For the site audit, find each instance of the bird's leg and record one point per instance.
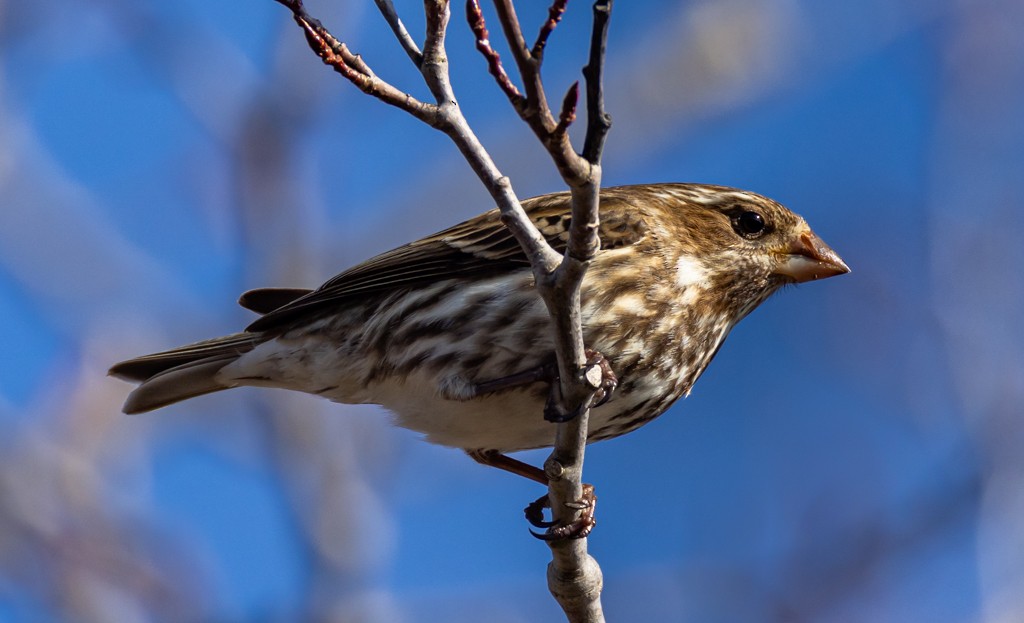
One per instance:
(544, 372)
(493, 458)
(534, 512)
(598, 372)
(599, 375)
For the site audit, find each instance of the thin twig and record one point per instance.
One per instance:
(598, 120)
(336, 55)
(554, 16)
(475, 17)
(543, 258)
(387, 9)
(568, 113)
(534, 110)
(529, 67)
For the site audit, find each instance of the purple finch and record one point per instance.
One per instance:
(427, 329)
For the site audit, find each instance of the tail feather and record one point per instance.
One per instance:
(181, 373)
(143, 368)
(177, 384)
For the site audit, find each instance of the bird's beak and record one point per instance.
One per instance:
(808, 258)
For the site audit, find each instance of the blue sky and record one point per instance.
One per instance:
(850, 454)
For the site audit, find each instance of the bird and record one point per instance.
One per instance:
(449, 334)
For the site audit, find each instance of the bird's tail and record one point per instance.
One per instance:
(181, 373)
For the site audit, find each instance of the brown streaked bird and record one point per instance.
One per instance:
(429, 330)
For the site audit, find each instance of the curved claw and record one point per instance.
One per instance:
(577, 529)
(535, 513)
(543, 523)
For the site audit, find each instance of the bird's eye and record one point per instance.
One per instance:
(749, 224)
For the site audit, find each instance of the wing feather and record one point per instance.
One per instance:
(479, 246)
(266, 300)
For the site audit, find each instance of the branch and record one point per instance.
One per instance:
(554, 16)
(568, 114)
(336, 54)
(528, 65)
(534, 110)
(542, 257)
(475, 17)
(387, 9)
(574, 577)
(598, 121)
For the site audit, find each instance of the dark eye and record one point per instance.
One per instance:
(749, 224)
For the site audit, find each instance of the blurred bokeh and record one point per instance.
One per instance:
(855, 453)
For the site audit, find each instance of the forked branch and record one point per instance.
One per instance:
(336, 55)
(573, 576)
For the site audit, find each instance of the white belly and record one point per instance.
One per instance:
(507, 421)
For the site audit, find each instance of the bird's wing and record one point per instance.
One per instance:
(266, 300)
(477, 247)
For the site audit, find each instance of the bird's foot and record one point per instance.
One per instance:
(598, 374)
(601, 377)
(577, 529)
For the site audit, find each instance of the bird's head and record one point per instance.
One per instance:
(741, 247)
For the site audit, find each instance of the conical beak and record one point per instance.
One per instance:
(808, 258)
